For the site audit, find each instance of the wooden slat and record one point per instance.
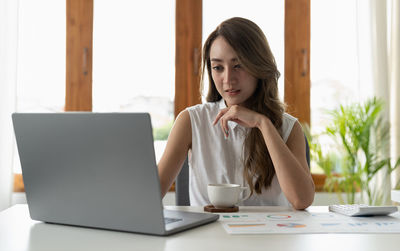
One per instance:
(188, 53)
(18, 183)
(78, 95)
(297, 58)
(188, 36)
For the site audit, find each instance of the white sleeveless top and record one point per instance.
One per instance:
(214, 159)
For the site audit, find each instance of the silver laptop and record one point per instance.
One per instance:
(95, 170)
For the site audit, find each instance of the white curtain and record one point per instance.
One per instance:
(8, 80)
(380, 72)
(386, 72)
(394, 77)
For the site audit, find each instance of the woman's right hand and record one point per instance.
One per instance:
(239, 114)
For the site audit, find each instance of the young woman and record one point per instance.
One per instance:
(241, 135)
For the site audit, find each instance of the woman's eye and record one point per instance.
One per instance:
(238, 66)
(217, 68)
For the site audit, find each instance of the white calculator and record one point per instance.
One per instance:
(362, 210)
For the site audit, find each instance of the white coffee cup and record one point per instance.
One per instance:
(226, 195)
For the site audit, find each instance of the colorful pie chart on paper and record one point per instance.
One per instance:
(246, 225)
(279, 216)
(291, 225)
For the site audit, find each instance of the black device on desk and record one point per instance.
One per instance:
(95, 170)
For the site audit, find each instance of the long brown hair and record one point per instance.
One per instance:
(252, 49)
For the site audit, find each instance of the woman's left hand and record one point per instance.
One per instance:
(239, 114)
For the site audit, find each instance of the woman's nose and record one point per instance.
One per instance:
(228, 76)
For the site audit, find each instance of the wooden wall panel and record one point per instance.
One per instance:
(297, 58)
(78, 96)
(188, 53)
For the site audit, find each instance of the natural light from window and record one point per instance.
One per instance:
(41, 58)
(134, 54)
(134, 61)
(340, 59)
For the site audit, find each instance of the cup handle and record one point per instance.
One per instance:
(243, 189)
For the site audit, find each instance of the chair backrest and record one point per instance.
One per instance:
(182, 181)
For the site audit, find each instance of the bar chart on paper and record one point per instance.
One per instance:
(305, 222)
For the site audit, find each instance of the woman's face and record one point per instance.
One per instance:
(232, 81)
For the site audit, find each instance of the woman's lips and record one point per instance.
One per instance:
(233, 92)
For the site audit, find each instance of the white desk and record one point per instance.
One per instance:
(19, 232)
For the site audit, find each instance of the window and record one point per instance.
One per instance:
(340, 59)
(134, 60)
(127, 78)
(41, 58)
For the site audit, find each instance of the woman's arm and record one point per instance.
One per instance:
(290, 163)
(289, 158)
(178, 144)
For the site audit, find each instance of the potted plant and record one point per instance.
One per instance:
(362, 139)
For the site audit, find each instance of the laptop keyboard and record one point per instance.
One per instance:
(171, 220)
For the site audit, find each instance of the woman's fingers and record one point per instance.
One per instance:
(224, 125)
(237, 114)
(219, 115)
(223, 122)
(223, 117)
